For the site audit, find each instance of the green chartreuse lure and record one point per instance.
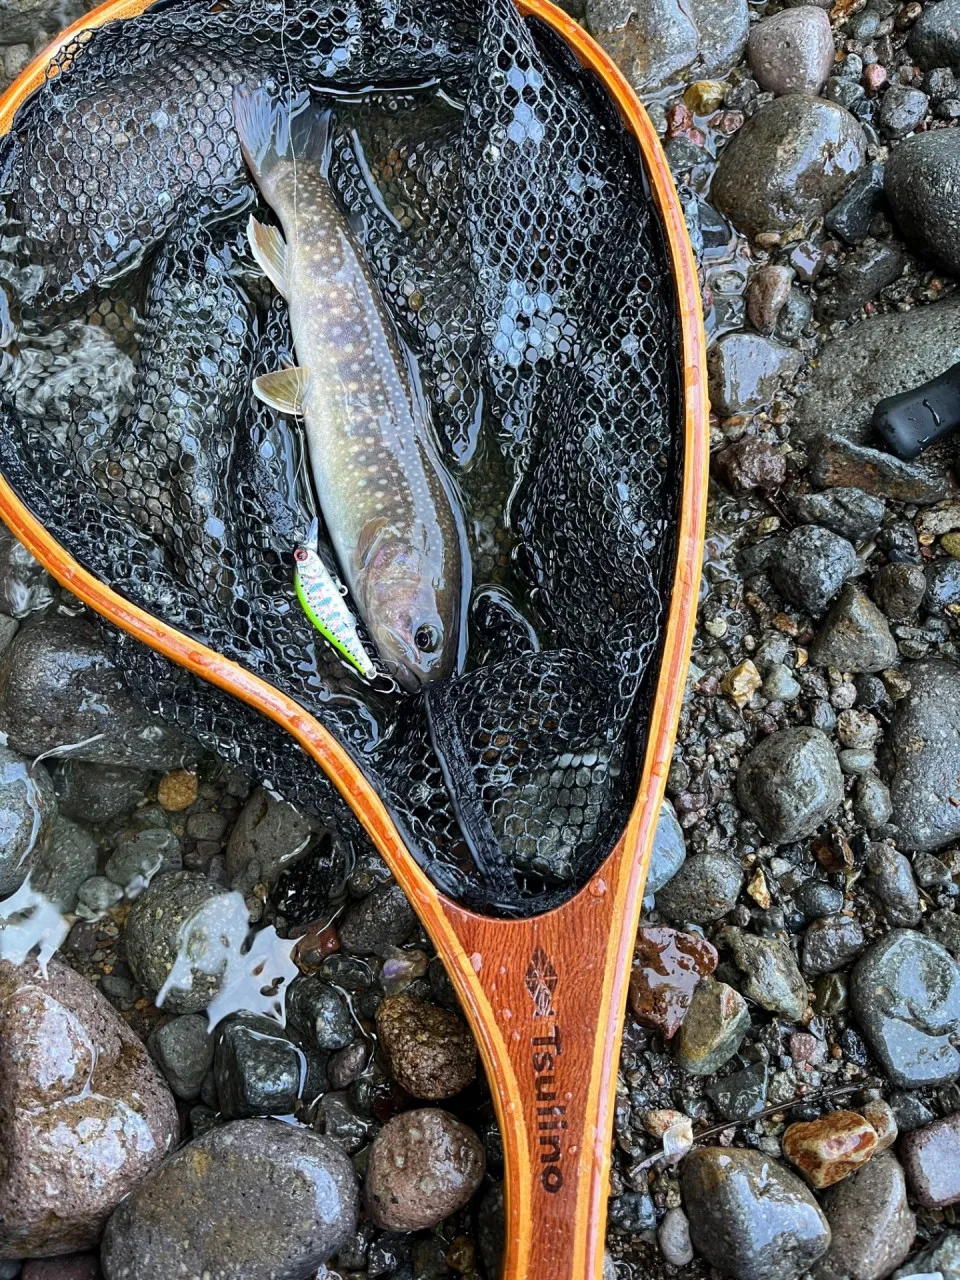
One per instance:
(323, 603)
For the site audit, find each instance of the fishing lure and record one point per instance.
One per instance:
(323, 603)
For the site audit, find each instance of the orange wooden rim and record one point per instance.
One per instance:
(560, 1237)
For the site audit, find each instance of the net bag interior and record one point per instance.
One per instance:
(505, 213)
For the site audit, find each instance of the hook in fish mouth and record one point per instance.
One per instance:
(404, 676)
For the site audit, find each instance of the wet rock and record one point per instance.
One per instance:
(836, 461)
(745, 371)
(669, 850)
(66, 858)
(942, 1256)
(921, 183)
(871, 1225)
(741, 683)
(140, 855)
(851, 217)
(935, 38)
(269, 836)
(715, 1024)
(658, 43)
(318, 1011)
(257, 1070)
(943, 584)
(424, 1165)
(891, 879)
(792, 51)
(880, 356)
(771, 977)
(183, 1050)
(667, 967)
(27, 810)
(705, 887)
(79, 1266)
(880, 1114)
(750, 1216)
(790, 783)
(379, 921)
(855, 635)
(860, 278)
(899, 589)
(856, 762)
(922, 756)
(944, 927)
(741, 1095)
(829, 943)
(911, 1112)
(98, 793)
(931, 1161)
(851, 513)
(347, 1064)
(283, 1199)
(779, 684)
(905, 994)
(154, 931)
(789, 164)
(768, 291)
(751, 464)
(831, 1147)
(430, 1050)
(673, 1237)
(96, 895)
(85, 1114)
(57, 686)
(816, 898)
(340, 1122)
(812, 566)
(901, 110)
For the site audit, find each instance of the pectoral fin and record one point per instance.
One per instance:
(270, 251)
(369, 539)
(284, 390)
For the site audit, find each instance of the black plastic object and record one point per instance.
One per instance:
(504, 211)
(910, 422)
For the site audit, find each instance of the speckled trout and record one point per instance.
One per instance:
(386, 501)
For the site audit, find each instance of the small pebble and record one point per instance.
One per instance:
(830, 1148)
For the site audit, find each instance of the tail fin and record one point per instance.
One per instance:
(277, 130)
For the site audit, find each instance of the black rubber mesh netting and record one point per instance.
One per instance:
(505, 213)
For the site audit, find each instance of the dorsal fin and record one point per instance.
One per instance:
(270, 251)
(284, 390)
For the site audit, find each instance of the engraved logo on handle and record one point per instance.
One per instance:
(545, 1046)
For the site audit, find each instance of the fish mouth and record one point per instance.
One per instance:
(406, 678)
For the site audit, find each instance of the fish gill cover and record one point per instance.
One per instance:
(505, 215)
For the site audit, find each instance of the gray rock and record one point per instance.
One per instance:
(789, 164)
(98, 793)
(856, 761)
(829, 943)
(424, 1165)
(943, 1256)
(901, 110)
(714, 1026)
(257, 1070)
(816, 898)
(872, 806)
(770, 974)
(899, 589)
(922, 182)
(871, 1225)
(28, 808)
(860, 278)
(269, 836)
(855, 635)
(67, 857)
(58, 687)
(663, 41)
(837, 461)
(790, 783)
(669, 849)
(749, 1216)
(284, 1200)
(851, 513)
(792, 51)
(909, 1111)
(857, 728)
(741, 1095)
(878, 357)
(944, 927)
(24, 20)
(922, 756)
(98, 894)
(319, 1013)
(935, 39)
(905, 995)
(347, 1064)
(705, 888)
(339, 1121)
(891, 879)
(673, 1237)
(183, 1050)
(931, 1161)
(745, 371)
(140, 855)
(779, 684)
(812, 566)
(943, 585)
(379, 921)
(852, 215)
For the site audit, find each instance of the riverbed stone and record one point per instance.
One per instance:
(751, 1218)
(855, 635)
(258, 1071)
(898, 589)
(921, 183)
(942, 1256)
(935, 38)
(85, 1113)
(905, 994)
(891, 878)
(789, 164)
(705, 887)
(770, 974)
(848, 512)
(662, 41)
(829, 943)
(830, 1148)
(871, 1224)
(183, 1050)
(836, 460)
(812, 566)
(745, 371)
(66, 858)
(713, 1029)
(97, 793)
(423, 1166)
(667, 967)
(381, 920)
(921, 756)
(792, 51)
(931, 1161)
(28, 807)
(669, 849)
(319, 1013)
(269, 836)
(791, 783)
(283, 1200)
(430, 1050)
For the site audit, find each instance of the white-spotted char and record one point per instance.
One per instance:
(385, 498)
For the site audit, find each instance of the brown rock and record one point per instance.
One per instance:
(667, 965)
(880, 1114)
(837, 462)
(85, 1114)
(931, 1160)
(430, 1050)
(899, 589)
(79, 1266)
(178, 790)
(424, 1165)
(741, 683)
(792, 51)
(830, 1148)
(767, 292)
(752, 464)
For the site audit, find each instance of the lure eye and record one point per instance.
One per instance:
(300, 555)
(427, 638)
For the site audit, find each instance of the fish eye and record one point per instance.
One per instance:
(427, 638)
